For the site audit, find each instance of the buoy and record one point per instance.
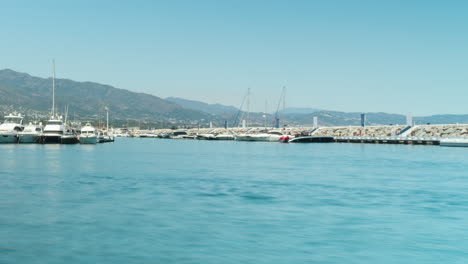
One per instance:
(284, 139)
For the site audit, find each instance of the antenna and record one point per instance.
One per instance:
(53, 88)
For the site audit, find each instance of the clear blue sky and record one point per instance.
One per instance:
(389, 56)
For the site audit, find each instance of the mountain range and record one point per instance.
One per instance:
(86, 100)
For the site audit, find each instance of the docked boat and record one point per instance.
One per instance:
(205, 137)
(284, 139)
(69, 137)
(10, 128)
(179, 134)
(53, 131)
(88, 134)
(454, 142)
(312, 139)
(103, 137)
(164, 135)
(244, 137)
(224, 137)
(31, 134)
(262, 137)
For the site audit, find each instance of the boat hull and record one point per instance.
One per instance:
(244, 138)
(224, 137)
(88, 140)
(312, 139)
(8, 138)
(205, 137)
(454, 142)
(69, 140)
(105, 139)
(29, 138)
(259, 138)
(51, 139)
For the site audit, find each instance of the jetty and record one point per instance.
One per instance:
(445, 134)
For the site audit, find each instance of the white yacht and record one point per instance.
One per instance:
(103, 136)
(88, 134)
(264, 137)
(224, 137)
(244, 137)
(10, 128)
(69, 137)
(454, 142)
(31, 134)
(53, 131)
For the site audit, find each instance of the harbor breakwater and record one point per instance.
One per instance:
(455, 135)
(438, 131)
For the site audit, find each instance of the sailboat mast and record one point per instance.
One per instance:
(284, 98)
(248, 108)
(53, 88)
(107, 121)
(66, 114)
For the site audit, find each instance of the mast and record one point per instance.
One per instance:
(66, 114)
(248, 108)
(284, 98)
(282, 101)
(53, 88)
(107, 121)
(241, 114)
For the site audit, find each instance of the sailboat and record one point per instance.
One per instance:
(69, 136)
(243, 136)
(54, 129)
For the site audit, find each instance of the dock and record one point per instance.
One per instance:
(390, 140)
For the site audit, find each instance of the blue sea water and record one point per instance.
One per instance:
(188, 201)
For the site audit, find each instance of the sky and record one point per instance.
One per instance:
(354, 56)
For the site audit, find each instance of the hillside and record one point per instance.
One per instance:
(23, 91)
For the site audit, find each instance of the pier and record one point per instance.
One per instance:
(390, 140)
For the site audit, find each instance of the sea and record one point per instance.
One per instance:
(146, 200)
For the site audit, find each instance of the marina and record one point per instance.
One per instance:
(13, 132)
(56, 131)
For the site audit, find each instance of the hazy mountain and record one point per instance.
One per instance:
(304, 116)
(442, 119)
(215, 109)
(299, 110)
(21, 90)
(223, 112)
(336, 118)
